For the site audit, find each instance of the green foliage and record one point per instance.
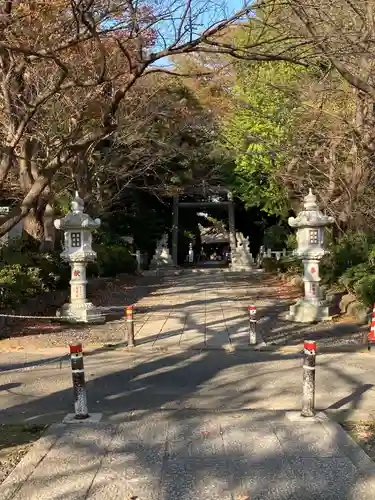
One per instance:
(270, 265)
(113, 260)
(351, 249)
(275, 237)
(350, 278)
(365, 290)
(291, 241)
(371, 254)
(258, 131)
(291, 266)
(25, 272)
(17, 281)
(351, 265)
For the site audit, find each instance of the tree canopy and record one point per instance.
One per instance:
(113, 96)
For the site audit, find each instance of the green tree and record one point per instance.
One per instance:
(258, 130)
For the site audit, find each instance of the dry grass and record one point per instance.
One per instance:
(364, 434)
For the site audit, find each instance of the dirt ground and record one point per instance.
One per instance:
(364, 434)
(15, 441)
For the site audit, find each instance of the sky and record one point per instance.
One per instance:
(205, 20)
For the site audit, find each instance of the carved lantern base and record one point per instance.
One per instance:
(81, 313)
(304, 311)
(79, 309)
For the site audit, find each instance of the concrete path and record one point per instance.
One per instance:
(186, 419)
(191, 311)
(210, 311)
(189, 426)
(38, 388)
(176, 455)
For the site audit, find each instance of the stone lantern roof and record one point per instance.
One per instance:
(77, 219)
(311, 216)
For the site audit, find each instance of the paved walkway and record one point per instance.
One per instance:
(211, 311)
(38, 387)
(191, 424)
(189, 456)
(192, 311)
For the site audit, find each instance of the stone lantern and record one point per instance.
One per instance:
(310, 224)
(78, 227)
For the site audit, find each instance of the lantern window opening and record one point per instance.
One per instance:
(76, 240)
(313, 236)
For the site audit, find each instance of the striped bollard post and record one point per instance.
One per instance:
(79, 386)
(371, 335)
(253, 325)
(308, 395)
(130, 325)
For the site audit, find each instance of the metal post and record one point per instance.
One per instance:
(252, 325)
(308, 397)
(130, 325)
(79, 387)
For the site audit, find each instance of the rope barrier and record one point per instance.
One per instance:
(29, 317)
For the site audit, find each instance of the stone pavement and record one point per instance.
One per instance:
(187, 455)
(210, 311)
(38, 387)
(183, 421)
(192, 311)
(189, 425)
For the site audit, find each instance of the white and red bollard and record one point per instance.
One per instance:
(79, 386)
(129, 313)
(252, 325)
(308, 394)
(371, 335)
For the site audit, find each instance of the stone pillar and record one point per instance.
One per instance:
(231, 224)
(78, 284)
(175, 231)
(310, 224)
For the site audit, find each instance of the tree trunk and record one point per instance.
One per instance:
(48, 243)
(33, 226)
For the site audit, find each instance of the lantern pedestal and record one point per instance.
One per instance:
(304, 311)
(83, 313)
(79, 309)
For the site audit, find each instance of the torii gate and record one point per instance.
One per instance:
(177, 204)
